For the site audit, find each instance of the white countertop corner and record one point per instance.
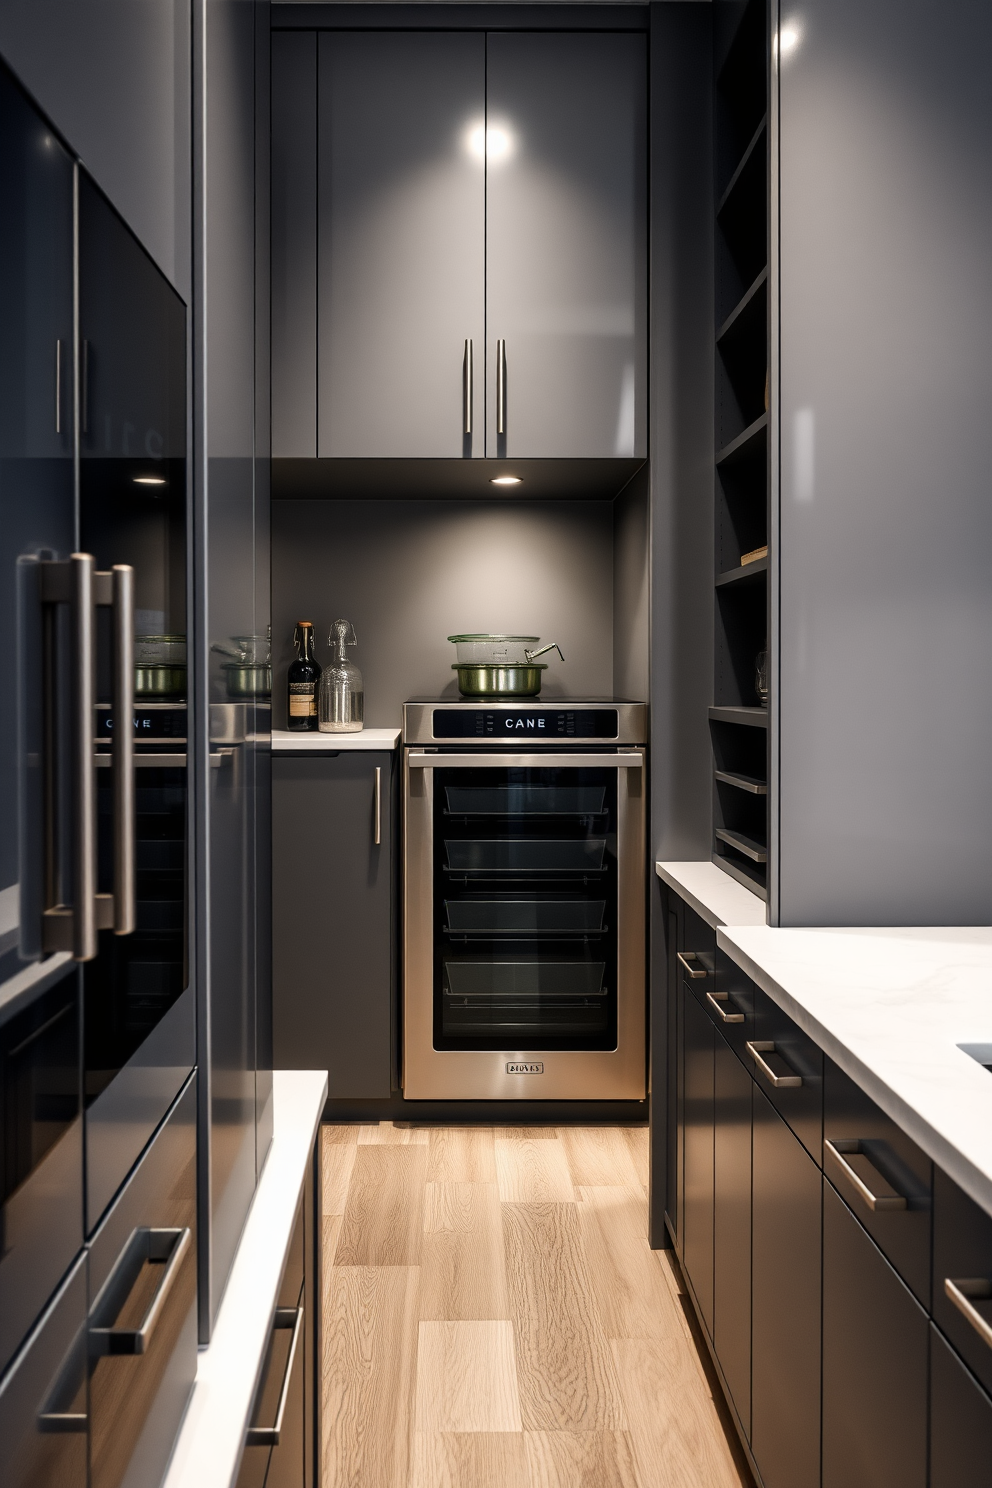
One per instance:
(286, 742)
(890, 1007)
(713, 894)
(207, 1453)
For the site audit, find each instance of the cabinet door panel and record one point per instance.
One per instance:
(697, 1240)
(565, 206)
(960, 1422)
(785, 1304)
(401, 241)
(332, 908)
(874, 1363)
(962, 1250)
(732, 1225)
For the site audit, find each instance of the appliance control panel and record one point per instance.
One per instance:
(526, 723)
(153, 723)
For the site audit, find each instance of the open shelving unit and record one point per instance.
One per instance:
(738, 721)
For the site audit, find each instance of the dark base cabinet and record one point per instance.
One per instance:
(333, 912)
(43, 1397)
(697, 1237)
(960, 1422)
(732, 1225)
(785, 1304)
(874, 1363)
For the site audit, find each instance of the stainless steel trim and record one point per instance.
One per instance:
(879, 1203)
(467, 391)
(961, 1293)
(500, 387)
(168, 1245)
(684, 958)
(122, 750)
(84, 933)
(377, 838)
(779, 1082)
(158, 761)
(608, 1074)
(58, 385)
(508, 761)
(418, 722)
(268, 1436)
(716, 1001)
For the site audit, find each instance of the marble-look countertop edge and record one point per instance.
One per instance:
(975, 1181)
(285, 742)
(692, 881)
(208, 1448)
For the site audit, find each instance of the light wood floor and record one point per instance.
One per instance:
(492, 1315)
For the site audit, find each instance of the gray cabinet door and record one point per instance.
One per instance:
(332, 905)
(732, 1224)
(565, 209)
(697, 1236)
(401, 241)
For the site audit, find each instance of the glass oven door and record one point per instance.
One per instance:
(525, 908)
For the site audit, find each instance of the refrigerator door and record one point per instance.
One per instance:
(139, 1015)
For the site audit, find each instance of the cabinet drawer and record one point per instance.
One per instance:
(788, 1068)
(697, 953)
(881, 1174)
(142, 1319)
(960, 1422)
(43, 1397)
(962, 1253)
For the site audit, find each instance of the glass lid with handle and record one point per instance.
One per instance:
(490, 649)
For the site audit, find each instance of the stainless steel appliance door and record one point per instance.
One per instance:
(142, 1315)
(43, 1419)
(524, 926)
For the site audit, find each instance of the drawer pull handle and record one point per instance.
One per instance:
(268, 1436)
(779, 1082)
(694, 971)
(878, 1203)
(961, 1292)
(717, 1000)
(158, 1245)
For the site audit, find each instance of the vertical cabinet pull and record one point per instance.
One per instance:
(58, 387)
(962, 1292)
(125, 895)
(467, 389)
(268, 1436)
(500, 387)
(377, 839)
(168, 1246)
(84, 936)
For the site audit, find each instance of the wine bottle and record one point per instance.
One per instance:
(304, 680)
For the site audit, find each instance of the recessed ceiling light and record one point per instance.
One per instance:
(506, 480)
(149, 480)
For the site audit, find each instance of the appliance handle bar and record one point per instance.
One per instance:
(509, 759)
(122, 750)
(84, 919)
(961, 1292)
(268, 1436)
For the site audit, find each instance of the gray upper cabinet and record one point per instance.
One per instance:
(401, 240)
(565, 268)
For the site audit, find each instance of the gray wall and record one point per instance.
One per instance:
(631, 589)
(410, 573)
(883, 698)
(114, 77)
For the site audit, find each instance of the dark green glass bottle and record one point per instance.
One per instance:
(304, 680)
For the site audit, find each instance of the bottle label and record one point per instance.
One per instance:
(302, 700)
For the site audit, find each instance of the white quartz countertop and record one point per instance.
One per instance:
(208, 1448)
(890, 1007)
(284, 741)
(720, 899)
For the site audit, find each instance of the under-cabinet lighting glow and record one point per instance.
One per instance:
(493, 143)
(150, 480)
(506, 480)
(786, 39)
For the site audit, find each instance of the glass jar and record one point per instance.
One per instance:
(341, 702)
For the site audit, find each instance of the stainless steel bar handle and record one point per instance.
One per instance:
(467, 389)
(500, 387)
(163, 1245)
(268, 1436)
(684, 957)
(84, 927)
(778, 1082)
(58, 386)
(716, 1001)
(631, 761)
(125, 897)
(962, 1292)
(878, 1203)
(378, 806)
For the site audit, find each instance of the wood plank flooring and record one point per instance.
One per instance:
(494, 1318)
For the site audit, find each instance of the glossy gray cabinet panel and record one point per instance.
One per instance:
(565, 243)
(401, 241)
(294, 243)
(333, 909)
(883, 699)
(49, 1379)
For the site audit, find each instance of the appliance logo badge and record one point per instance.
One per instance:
(533, 1067)
(523, 721)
